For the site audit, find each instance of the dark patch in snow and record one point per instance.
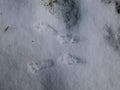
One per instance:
(68, 9)
(106, 1)
(6, 29)
(51, 3)
(113, 38)
(117, 6)
(1, 13)
(70, 12)
(32, 40)
(53, 80)
(115, 2)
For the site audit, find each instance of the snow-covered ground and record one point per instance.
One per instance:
(59, 45)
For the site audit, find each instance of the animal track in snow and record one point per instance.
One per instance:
(69, 59)
(62, 39)
(35, 67)
(44, 27)
(67, 39)
(46, 64)
(40, 27)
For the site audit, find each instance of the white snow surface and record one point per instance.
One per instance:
(38, 52)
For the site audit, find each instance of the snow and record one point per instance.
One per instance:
(41, 48)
